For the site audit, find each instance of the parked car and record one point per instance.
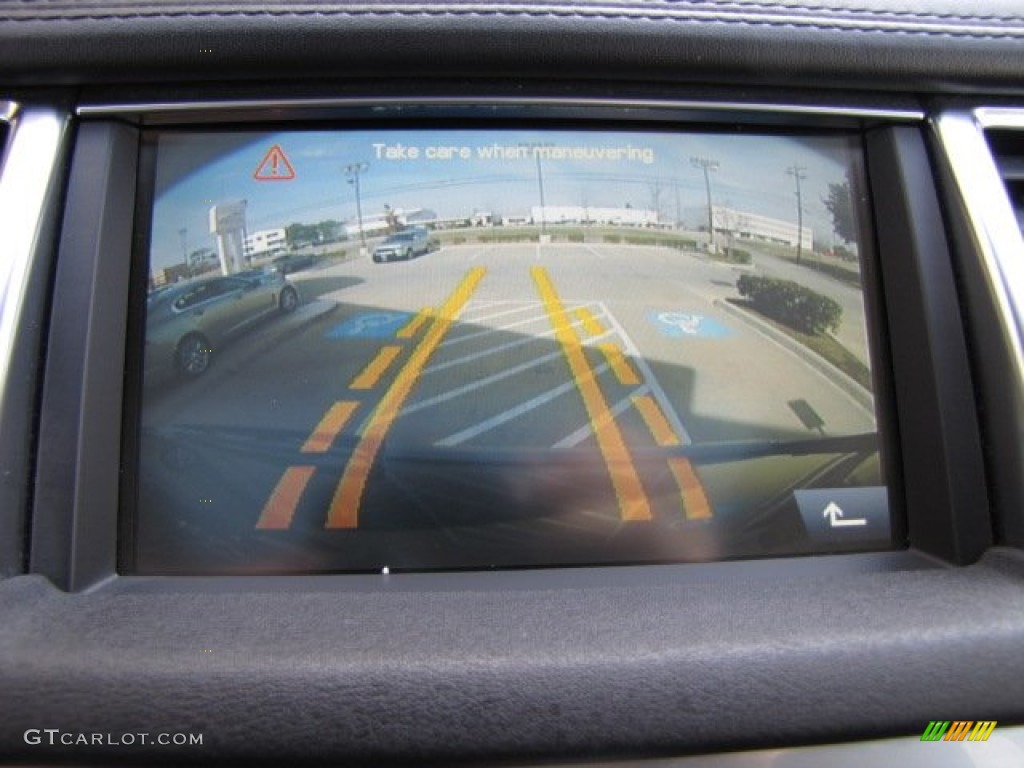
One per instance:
(403, 245)
(186, 322)
(293, 262)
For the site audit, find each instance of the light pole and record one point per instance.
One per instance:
(708, 165)
(352, 172)
(797, 172)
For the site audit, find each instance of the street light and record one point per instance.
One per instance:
(352, 172)
(707, 165)
(797, 172)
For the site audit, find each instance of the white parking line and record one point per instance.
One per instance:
(581, 434)
(513, 413)
(490, 331)
(500, 348)
(496, 315)
(599, 255)
(451, 394)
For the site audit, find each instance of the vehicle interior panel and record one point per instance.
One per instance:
(582, 382)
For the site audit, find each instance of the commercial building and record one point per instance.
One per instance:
(266, 242)
(753, 226)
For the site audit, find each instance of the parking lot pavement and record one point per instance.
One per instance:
(478, 379)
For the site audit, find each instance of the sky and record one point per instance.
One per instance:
(457, 172)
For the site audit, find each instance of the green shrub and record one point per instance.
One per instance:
(612, 239)
(738, 256)
(791, 303)
(458, 240)
(574, 236)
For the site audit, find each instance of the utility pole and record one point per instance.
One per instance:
(708, 165)
(798, 174)
(183, 233)
(540, 186)
(352, 172)
(536, 148)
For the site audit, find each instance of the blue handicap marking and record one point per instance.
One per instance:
(688, 325)
(370, 325)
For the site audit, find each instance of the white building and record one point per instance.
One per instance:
(266, 242)
(753, 226)
(579, 214)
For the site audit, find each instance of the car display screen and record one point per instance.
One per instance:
(397, 349)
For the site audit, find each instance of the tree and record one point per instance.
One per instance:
(392, 219)
(840, 205)
(300, 234)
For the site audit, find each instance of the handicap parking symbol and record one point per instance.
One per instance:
(370, 325)
(688, 325)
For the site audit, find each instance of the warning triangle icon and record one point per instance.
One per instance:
(274, 166)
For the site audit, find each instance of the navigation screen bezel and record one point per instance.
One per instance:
(538, 119)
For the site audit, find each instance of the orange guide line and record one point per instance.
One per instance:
(279, 510)
(629, 491)
(623, 370)
(590, 323)
(409, 330)
(344, 511)
(371, 373)
(696, 505)
(330, 426)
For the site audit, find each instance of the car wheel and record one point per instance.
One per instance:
(289, 300)
(193, 355)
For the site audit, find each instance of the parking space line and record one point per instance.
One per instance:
(581, 434)
(595, 252)
(409, 329)
(696, 505)
(330, 426)
(279, 510)
(623, 370)
(503, 313)
(492, 331)
(348, 496)
(590, 323)
(633, 503)
(376, 368)
(498, 349)
(451, 394)
(512, 413)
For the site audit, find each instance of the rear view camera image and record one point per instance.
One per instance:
(468, 349)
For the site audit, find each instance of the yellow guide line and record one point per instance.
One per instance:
(633, 504)
(279, 510)
(696, 505)
(371, 373)
(330, 426)
(623, 370)
(344, 511)
(409, 330)
(590, 323)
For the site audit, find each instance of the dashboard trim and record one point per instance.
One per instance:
(147, 108)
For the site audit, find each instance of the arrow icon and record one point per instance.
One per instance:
(834, 513)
